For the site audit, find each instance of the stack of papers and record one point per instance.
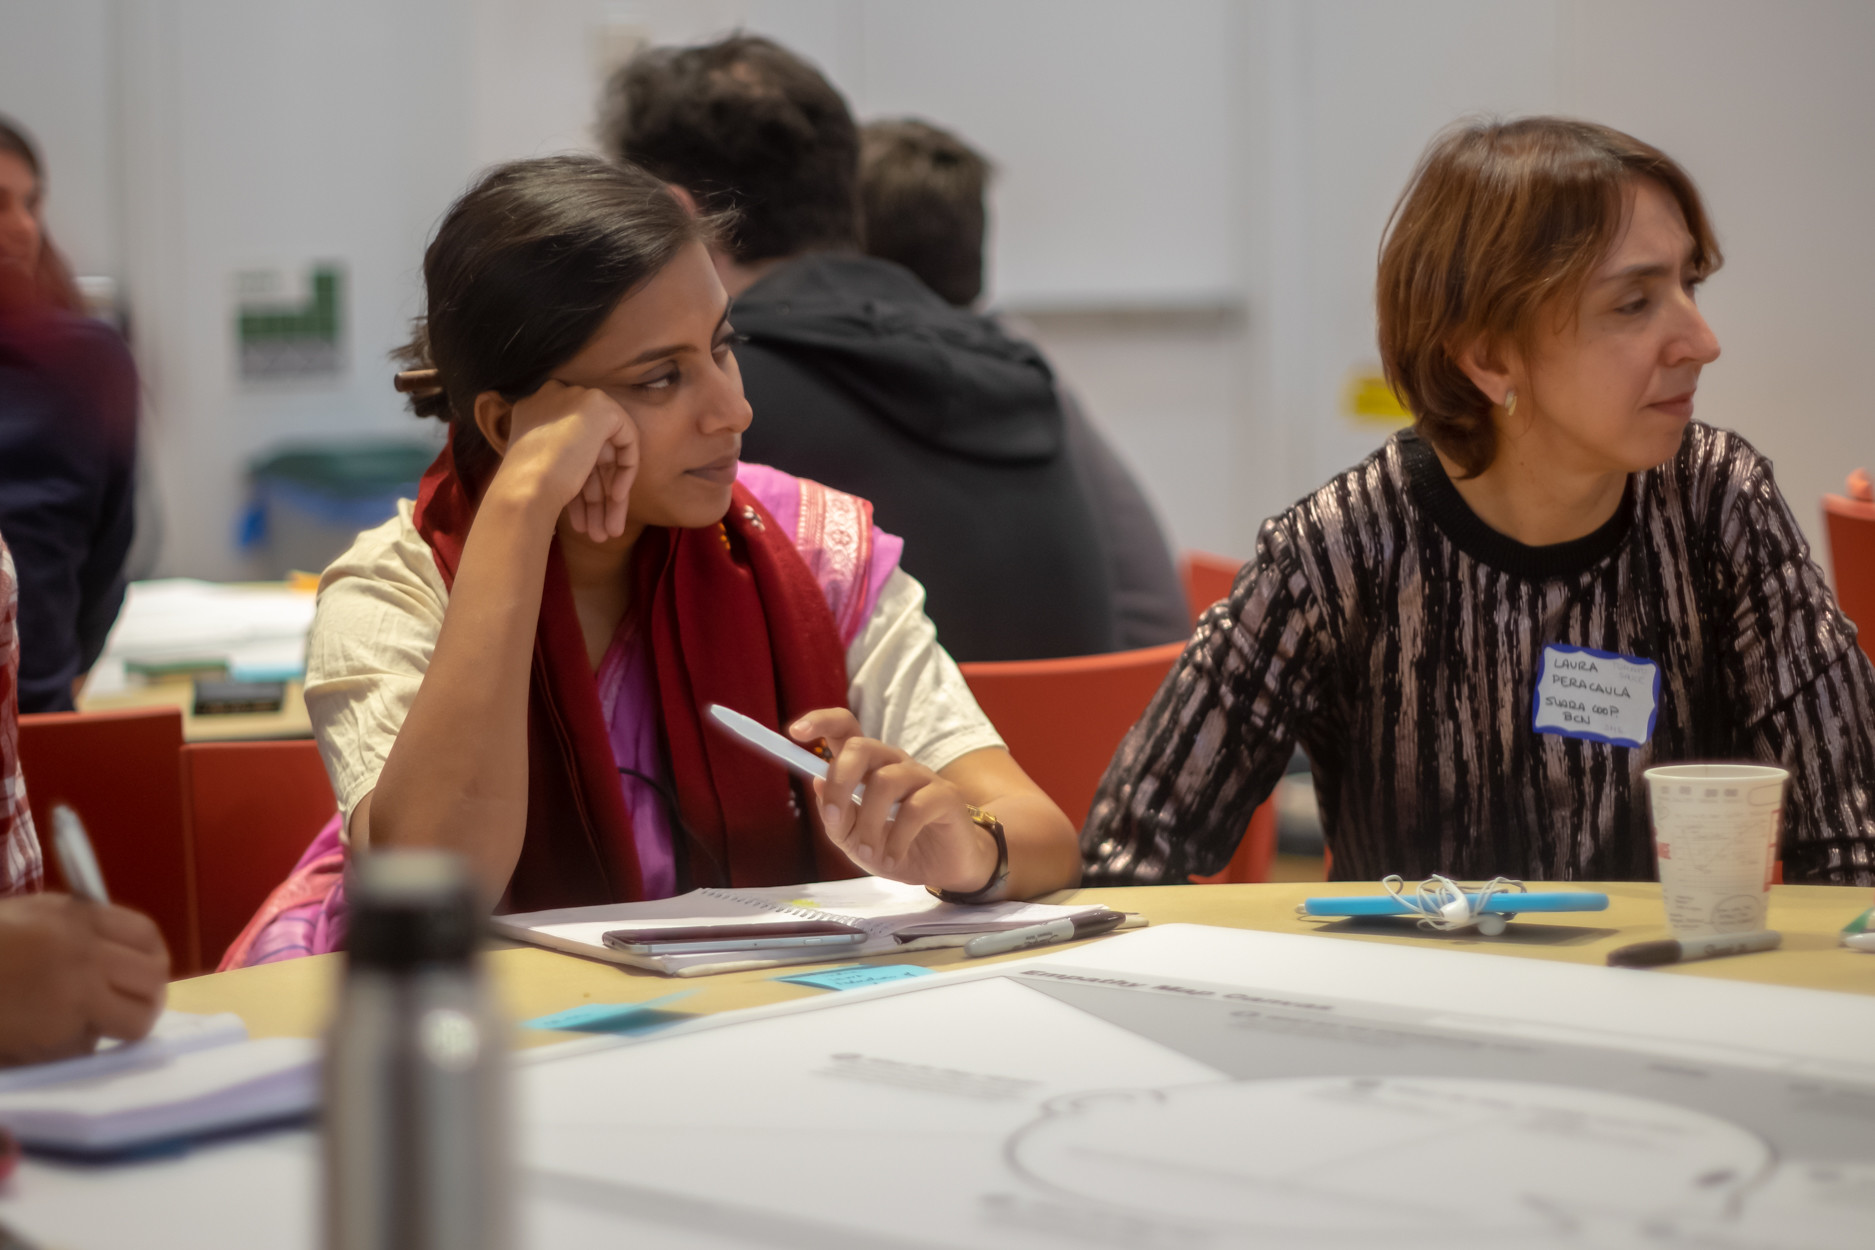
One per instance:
(192, 1076)
(257, 633)
(894, 916)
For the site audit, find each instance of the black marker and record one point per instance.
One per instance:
(1674, 951)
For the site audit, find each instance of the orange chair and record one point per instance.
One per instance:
(1850, 524)
(117, 770)
(1207, 579)
(252, 808)
(1063, 720)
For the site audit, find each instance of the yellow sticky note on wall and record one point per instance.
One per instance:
(1367, 397)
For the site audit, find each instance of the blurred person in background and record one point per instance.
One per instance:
(922, 204)
(71, 971)
(68, 436)
(861, 376)
(921, 193)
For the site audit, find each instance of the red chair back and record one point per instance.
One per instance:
(252, 809)
(1850, 524)
(118, 771)
(1063, 719)
(1207, 579)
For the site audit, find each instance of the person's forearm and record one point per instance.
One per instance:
(457, 775)
(1043, 853)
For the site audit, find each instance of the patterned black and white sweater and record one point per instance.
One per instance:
(1398, 638)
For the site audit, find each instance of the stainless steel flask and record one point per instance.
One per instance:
(416, 1127)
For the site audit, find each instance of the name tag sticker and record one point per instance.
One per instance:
(1596, 695)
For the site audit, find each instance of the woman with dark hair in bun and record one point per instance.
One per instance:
(1425, 624)
(517, 666)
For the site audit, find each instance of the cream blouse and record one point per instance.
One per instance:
(381, 607)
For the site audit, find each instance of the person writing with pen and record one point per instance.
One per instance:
(518, 666)
(72, 970)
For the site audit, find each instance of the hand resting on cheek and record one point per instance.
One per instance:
(573, 448)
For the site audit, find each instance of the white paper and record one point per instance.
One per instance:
(977, 1109)
(179, 1095)
(1117, 1094)
(174, 1033)
(181, 620)
(881, 907)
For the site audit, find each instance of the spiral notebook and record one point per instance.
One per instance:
(894, 916)
(193, 1076)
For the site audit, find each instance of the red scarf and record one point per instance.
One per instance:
(732, 616)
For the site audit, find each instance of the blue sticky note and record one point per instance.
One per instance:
(603, 1017)
(856, 976)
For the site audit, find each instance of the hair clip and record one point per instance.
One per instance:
(418, 382)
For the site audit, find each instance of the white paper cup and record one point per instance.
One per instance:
(1716, 830)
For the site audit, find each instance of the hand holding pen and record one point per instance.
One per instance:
(75, 968)
(913, 825)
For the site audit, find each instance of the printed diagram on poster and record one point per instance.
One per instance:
(1078, 1101)
(289, 321)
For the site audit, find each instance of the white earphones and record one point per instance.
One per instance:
(1440, 903)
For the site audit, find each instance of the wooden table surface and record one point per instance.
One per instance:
(293, 998)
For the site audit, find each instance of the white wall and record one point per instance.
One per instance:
(1190, 202)
(1772, 109)
(1769, 106)
(1117, 145)
(57, 80)
(1366, 113)
(282, 133)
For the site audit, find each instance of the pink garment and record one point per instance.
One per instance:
(851, 559)
(626, 693)
(849, 556)
(305, 914)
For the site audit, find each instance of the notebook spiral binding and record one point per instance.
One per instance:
(872, 927)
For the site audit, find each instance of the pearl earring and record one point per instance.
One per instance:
(1510, 403)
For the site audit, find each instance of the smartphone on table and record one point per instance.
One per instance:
(704, 938)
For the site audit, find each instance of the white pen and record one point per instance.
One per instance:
(76, 859)
(781, 750)
(1064, 930)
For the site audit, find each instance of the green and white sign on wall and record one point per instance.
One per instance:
(289, 323)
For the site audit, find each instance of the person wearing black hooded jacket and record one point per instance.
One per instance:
(864, 378)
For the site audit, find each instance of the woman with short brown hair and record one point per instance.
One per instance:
(1485, 633)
